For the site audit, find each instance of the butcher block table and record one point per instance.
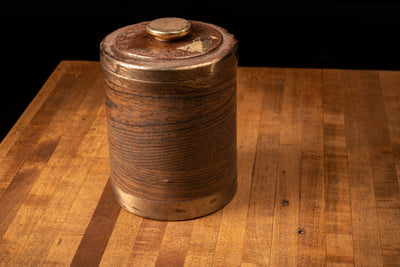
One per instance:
(318, 175)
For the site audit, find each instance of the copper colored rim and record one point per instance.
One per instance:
(174, 211)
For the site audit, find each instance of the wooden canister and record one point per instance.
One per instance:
(170, 88)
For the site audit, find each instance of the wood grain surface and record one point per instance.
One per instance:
(318, 178)
(174, 146)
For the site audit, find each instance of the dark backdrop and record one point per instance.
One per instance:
(37, 35)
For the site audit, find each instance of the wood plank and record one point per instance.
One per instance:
(386, 186)
(284, 248)
(66, 242)
(258, 236)
(366, 240)
(147, 243)
(228, 250)
(119, 245)
(389, 83)
(175, 243)
(311, 246)
(58, 194)
(338, 227)
(37, 165)
(203, 240)
(98, 232)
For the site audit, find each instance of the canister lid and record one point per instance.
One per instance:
(168, 38)
(166, 44)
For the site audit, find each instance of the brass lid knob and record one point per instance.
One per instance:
(167, 29)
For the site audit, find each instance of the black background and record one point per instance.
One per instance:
(37, 35)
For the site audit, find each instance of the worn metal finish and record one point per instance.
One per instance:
(171, 119)
(167, 29)
(179, 210)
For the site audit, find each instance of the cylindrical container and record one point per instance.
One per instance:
(170, 88)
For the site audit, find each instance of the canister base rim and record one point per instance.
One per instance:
(174, 211)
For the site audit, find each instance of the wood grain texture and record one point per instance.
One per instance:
(338, 223)
(173, 146)
(318, 176)
(285, 241)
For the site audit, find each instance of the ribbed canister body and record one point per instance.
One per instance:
(172, 133)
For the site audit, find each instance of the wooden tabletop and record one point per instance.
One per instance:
(318, 174)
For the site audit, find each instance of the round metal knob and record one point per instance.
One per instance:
(167, 29)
